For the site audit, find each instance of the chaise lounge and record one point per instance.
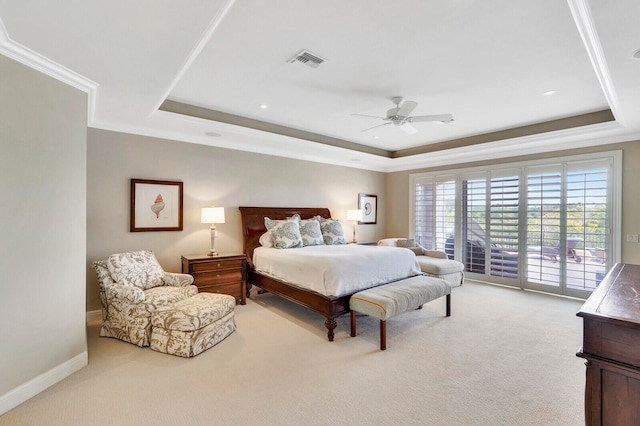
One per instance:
(434, 263)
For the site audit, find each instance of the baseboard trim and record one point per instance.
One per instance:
(36, 385)
(94, 316)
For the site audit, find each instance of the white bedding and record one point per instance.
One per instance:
(334, 270)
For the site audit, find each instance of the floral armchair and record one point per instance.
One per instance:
(132, 286)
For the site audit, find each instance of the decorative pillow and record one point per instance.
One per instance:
(418, 251)
(266, 240)
(136, 269)
(311, 232)
(332, 231)
(285, 233)
(406, 242)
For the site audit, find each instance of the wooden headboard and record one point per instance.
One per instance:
(253, 222)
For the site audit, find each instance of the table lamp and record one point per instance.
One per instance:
(212, 215)
(355, 216)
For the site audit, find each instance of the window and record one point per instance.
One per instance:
(435, 212)
(540, 225)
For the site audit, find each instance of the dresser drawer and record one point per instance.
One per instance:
(612, 340)
(217, 277)
(216, 265)
(234, 290)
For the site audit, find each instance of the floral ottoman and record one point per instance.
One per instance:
(193, 325)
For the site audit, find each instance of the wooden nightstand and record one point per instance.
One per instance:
(225, 273)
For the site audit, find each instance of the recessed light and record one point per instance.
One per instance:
(213, 134)
(263, 106)
(549, 92)
(376, 137)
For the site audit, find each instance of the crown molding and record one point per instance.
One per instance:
(34, 60)
(584, 22)
(593, 135)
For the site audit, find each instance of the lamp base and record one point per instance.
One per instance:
(213, 251)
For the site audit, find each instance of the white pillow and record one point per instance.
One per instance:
(266, 240)
(311, 232)
(332, 231)
(285, 233)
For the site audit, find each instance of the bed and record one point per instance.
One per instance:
(331, 302)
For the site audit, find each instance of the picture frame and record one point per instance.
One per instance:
(156, 205)
(368, 203)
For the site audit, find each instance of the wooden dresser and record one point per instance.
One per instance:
(225, 273)
(611, 346)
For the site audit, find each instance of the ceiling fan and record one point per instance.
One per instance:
(400, 116)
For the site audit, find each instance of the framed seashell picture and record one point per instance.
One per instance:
(156, 205)
(368, 203)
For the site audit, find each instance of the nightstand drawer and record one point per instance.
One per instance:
(214, 265)
(217, 277)
(225, 273)
(234, 289)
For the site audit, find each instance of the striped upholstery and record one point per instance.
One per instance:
(389, 300)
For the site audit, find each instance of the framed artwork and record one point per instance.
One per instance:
(368, 203)
(156, 205)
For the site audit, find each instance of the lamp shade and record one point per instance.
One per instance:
(212, 215)
(354, 215)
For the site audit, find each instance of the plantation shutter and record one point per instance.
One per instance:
(544, 224)
(474, 222)
(424, 215)
(504, 224)
(587, 222)
(434, 211)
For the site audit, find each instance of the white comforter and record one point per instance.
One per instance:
(337, 269)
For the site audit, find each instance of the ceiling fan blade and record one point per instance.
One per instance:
(408, 128)
(405, 108)
(371, 128)
(445, 118)
(369, 116)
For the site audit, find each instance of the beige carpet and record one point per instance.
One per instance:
(504, 357)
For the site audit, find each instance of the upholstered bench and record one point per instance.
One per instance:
(193, 325)
(392, 299)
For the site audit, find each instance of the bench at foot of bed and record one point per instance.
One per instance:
(392, 299)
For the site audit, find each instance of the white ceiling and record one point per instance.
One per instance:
(487, 63)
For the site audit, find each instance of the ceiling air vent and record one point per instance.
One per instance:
(307, 58)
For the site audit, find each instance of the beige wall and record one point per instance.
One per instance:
(43, 227)
(398, 193)
(211, 176)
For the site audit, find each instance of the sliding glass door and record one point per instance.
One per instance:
(568, 226)
(490, 225)
(538, 226)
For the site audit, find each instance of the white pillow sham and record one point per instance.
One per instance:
(266, 240)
